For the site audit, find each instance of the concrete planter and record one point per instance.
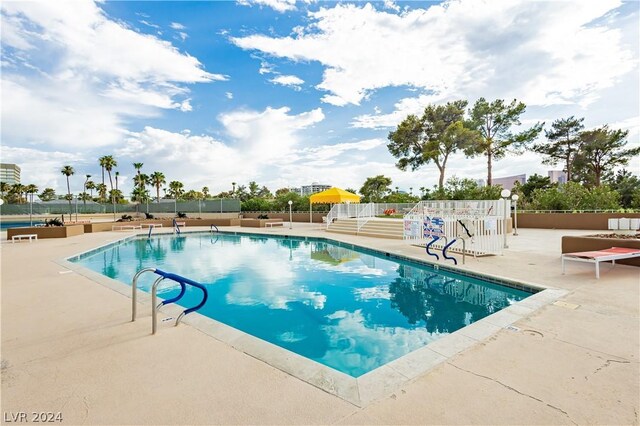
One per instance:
(47, 232)
(258, 223)
(577, 244)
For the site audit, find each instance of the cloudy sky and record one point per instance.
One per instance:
(289, 92)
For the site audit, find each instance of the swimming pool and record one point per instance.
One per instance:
(349, 309)
(8, 224)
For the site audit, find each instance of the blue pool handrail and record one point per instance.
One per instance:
(214, 226)
(444, 252)
(162, 275)
(176, 228)
(435, 238)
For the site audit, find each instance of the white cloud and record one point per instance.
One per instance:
(73, 65)
(177, 26)
(43, 168)
(269, 134)
(277, 5)
(228, 95)
(517, 48)
(288, 80)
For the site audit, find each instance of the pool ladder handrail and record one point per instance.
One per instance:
(176, 228)
(213, 226)
(154, 297)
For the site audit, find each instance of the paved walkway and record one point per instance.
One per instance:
(67, 346)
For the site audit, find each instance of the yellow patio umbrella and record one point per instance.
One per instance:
(331, 196)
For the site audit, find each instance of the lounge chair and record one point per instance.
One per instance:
(611, 254)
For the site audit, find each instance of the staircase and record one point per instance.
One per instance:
(378, 228)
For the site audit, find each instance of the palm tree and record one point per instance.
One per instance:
(176, 189)
(4, 187)
(102, 192)
(140, 192)
(109, 163)
(233, 191)
(205, 192)
(31, 189)
(157, 180)
(84, 192)
(117, 174)
(90, 185)
(138, 166)
(16, 191)
(68, 171)
(102, 161)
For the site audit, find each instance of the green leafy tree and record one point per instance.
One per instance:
(264, 192)
(602, 150)
(205, 192)
(253, 189)
(256, 205)
(433, 137)
(375, 188)
(536, 182)
(573, 196)
(400, 197)
(282, 191)
(157, 180)
(15, 193)
(628, 186)
(68, 171)
(495, 121)
(563, 142)
(47, 194)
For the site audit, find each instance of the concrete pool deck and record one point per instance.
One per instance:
(68, 346)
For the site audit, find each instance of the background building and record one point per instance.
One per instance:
(9, 173)
(310, 189)
(509, 181)
(558, 176)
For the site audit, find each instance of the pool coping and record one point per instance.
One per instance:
(378, 383)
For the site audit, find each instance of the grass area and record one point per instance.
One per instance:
(392, 216)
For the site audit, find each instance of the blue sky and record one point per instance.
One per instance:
(285, 92)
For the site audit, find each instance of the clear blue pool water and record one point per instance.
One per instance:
(348, 309)
(5, 225)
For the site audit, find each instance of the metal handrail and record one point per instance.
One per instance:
(365, 214)
(154, 297)
(214, 226)
(176, 228)
(134, 291)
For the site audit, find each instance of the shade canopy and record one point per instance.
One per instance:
(334, 196)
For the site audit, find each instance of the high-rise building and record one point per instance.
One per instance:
(558, 176)
(9, 173)
(509, 181)
(305, 190)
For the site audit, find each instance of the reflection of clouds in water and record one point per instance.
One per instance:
(352, 267)
(353, 344)
(262, 276)
(378, 292)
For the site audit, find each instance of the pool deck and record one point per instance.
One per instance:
(68, 346)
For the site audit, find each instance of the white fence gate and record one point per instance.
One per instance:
(481, 224)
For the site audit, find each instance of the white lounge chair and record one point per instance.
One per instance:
(612, 254)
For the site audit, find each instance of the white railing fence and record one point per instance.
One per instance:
(366, 212)
(480, 223)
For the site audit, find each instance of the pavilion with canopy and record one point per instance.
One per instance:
(331, 196)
